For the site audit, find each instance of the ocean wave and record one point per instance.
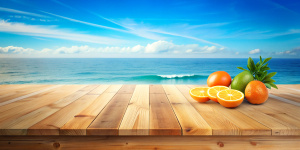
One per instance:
(168, 77)
(178, 76)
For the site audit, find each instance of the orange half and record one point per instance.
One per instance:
(230, 98)
(213, 91)
(199, 94)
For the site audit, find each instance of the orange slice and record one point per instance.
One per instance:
(199, 94)
(213, 91)
(230, 98)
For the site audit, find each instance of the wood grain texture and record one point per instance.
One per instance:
(190, 120)
(52, 124)
(157, 89)
(149, 110)
(79, 123)
(287, 108)
(162, 118)
(278, 126)
(151, 142)
(21, 93)
(267, 116)
(136, 117)
(17, 109)
(109, 120)
(20, 125)
(220, 124)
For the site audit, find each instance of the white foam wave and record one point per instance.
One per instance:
(176, 76)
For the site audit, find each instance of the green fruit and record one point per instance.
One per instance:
(240, 81)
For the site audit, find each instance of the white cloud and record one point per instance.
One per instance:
(237, 53)
(72, 50)
(164, 46)
(295, 51)
(156, 47)
(21, 12)
(52, 32)
(137, 48)
(16, 50)
(159, 46)
(255, 51)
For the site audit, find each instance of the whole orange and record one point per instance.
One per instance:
(219, 78)
(256, 92)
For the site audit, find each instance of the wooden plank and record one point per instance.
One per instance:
(114, 88)
(287, 108)
(99, 90)
(162, 118)
(17, 109)
(14, 93)
(287, 89)
(292, 86)
(108, 121)
(136, 117)
(17, 95)
(157, 89)
(273, 107)
(19, 126)
(277, 126)
(284, 100)
(127, 89)
(288, 93)
(190, 120)
(220, 124)
(151, 142)
(265, 115)
(12, 87)
(79, 123)
(52, 124)
(247, 125)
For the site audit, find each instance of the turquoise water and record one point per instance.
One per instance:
(132, 71)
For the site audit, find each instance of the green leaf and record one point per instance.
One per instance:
(249, 69)
(260, 60)
(268, 85)
(251, 64)
(273, 85)
(266, 60)
(242, 68)
(262, 75)
(269, 80)
(264, 68)
(257, 65)
(270, 75)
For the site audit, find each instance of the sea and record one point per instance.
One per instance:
(133, 70)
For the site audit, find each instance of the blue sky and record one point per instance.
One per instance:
(154, 28)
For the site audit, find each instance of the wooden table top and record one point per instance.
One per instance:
(145, 110)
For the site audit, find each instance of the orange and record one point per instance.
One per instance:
(213, 91)
(199, 94)
(256, 92)
(230, 98)
(219, 78)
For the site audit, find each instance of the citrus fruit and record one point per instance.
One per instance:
(240, 81)
(230, 98)
(213, 91)
(256, 92)
(199, 94)
(219, 78)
